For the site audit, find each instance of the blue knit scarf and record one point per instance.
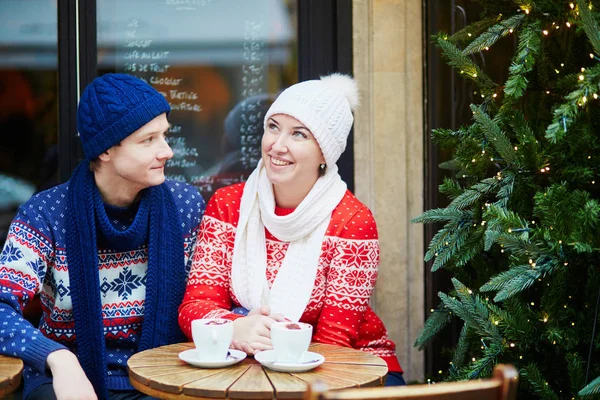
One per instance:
(154, 222)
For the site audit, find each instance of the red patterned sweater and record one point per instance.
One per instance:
(348, 265)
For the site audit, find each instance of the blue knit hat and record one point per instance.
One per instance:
(114, 106)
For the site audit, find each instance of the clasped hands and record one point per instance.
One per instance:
(252, 334)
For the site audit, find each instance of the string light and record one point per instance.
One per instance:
(568, 24)
(581, 77)
(545, 32)
(572, 6)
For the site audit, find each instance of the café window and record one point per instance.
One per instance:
(28, 103)
(219, 63)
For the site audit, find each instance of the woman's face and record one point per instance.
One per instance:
(291, 154)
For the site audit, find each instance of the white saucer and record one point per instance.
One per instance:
(190, 357)
(267, 359)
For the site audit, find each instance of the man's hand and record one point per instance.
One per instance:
(69, 381)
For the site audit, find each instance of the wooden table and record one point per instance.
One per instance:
(10, 375)
(159, 373)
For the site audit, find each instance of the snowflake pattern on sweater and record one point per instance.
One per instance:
(34, 261)
(348, 267)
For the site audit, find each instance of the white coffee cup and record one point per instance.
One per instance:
(212, 338)
(290, 340)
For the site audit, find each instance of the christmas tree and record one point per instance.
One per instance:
(521, 235)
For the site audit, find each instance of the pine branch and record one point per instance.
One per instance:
(523, 61)
(500, 281)
(440, 240)
(493, 34)
(508, 229)
(478, 312)
(447, 137)
(473, 30)
(458, 239)
(440, 215)
(567, 113)
(451, 188)
(472, 247)
(532, 375)
(495, 135)
(462, 347)
(576, 368)
(522, 279)
(434, 324)
(590, 25)
(506, 187)
(483, 366)
(470, 196)
(591, 389)
(464, 64)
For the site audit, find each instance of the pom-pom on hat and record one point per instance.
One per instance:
(114, 106)
(325, 107)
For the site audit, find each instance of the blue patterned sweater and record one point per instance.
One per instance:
(34, 261)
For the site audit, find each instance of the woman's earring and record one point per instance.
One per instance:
(322, 166)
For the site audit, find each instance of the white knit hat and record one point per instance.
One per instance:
(325, 107)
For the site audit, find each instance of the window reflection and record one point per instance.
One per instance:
(28, 103)
(218, 63)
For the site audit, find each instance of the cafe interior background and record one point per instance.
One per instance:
(218, 62)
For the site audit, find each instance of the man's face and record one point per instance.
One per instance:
(139, 160)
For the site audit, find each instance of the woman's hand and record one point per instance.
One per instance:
(252, 333)
(68, 378)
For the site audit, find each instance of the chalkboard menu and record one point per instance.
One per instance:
(219, 63)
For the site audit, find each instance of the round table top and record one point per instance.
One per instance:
(160, 373)
(10, 374)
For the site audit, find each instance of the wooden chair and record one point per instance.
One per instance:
(501, 386)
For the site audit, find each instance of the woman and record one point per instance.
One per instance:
(292, 242)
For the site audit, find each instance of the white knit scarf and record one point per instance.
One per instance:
(304, 228)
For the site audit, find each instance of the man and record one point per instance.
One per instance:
(108, 252)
